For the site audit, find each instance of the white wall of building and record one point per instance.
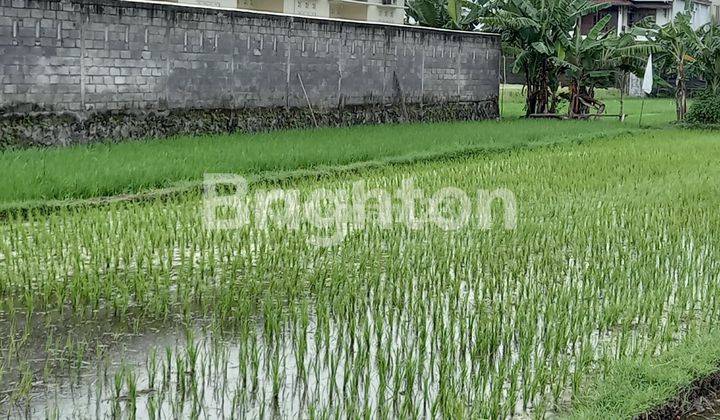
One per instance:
(266, 5)
(315, 8)
(391, 13)
(388, 11)
(212, 3)
(701, 14)
(663, 16)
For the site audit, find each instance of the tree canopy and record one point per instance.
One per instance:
(545, 38)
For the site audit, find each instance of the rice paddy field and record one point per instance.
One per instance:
(38, 177)
(136, 310)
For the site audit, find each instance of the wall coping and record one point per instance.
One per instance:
(292, 17)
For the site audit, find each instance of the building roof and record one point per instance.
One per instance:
(652, 5)
(647, 4)
(615, 2)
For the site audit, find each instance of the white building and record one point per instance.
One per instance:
(701, 12)
(386, 11)
(626, 13)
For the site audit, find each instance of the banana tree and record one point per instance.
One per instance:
(598, 59)
(585, 61)
(447, 14)
(707, 63)
(676, 44)
(538, 33)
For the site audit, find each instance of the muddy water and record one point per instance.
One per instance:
(225, 379)
(200, 372)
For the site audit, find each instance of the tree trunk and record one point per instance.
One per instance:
(529, 94)
(553, 87)
(572, 106)
(538, 91)
(542, 105)
(680, 94)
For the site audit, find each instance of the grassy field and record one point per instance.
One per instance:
(40, 175)
(136, 308)
(655, 112)
(631, 386)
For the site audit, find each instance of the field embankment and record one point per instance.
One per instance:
(38, 177)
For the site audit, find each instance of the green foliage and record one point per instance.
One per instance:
(674, 46)
(539, 34)
(635, 386)
(707, 57)
(594, 60)
(447, 14)
(612, 259)
(705, 109)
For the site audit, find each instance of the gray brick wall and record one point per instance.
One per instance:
(96, 55)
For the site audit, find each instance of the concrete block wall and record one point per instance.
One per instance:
(103, 55)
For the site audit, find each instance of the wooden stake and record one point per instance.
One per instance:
(623, 84)
(312, 114)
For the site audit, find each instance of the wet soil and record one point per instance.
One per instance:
(699, 400)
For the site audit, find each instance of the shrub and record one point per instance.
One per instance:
(705, 109)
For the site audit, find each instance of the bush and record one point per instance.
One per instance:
(705, 109)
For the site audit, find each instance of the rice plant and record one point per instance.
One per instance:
(134, 309)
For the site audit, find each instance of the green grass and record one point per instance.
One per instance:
(656, 112)
(614, 261)
(38, 175)
(602, 304)
(635, 386)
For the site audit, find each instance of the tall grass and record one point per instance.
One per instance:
(614, 257)
(111, 169)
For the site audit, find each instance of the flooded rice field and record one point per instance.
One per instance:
(137, 310)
